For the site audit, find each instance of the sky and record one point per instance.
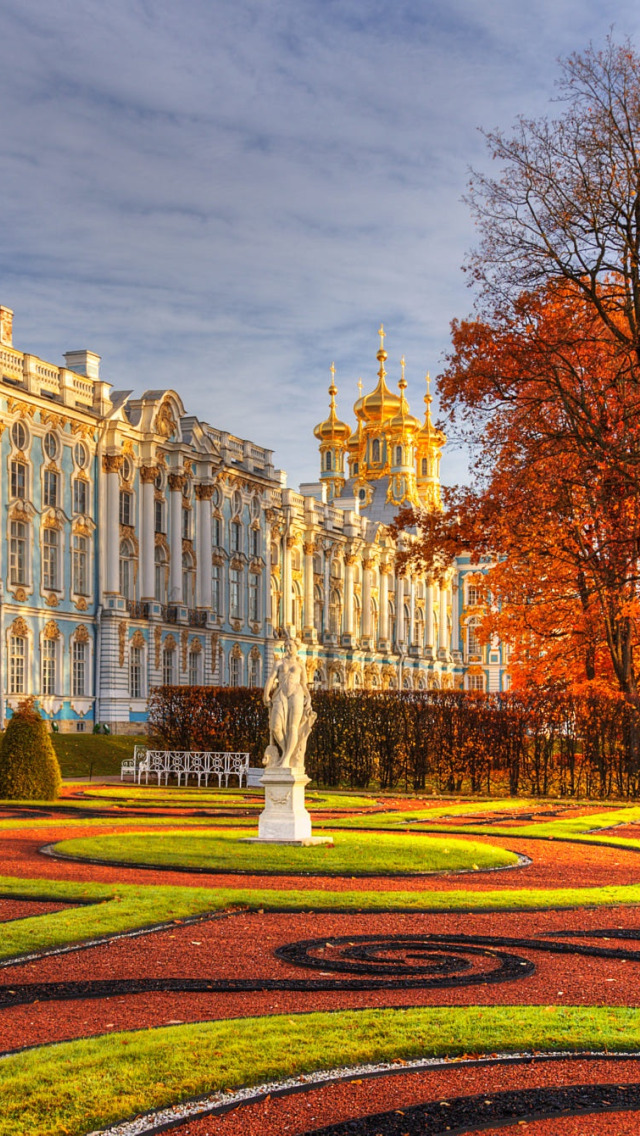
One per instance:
(224, 197)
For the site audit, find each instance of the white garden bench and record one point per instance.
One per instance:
(183, 764)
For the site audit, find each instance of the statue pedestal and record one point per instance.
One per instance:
(285, 819)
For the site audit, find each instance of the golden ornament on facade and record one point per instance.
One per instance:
(81, 635)
(138, 639)
(19, 628)
(204, 492)
(52, 599)
(165, 424)
(148, 473)
(177, 482)
(80, 603)
(51, 630)
(112, 463)
(122, 641)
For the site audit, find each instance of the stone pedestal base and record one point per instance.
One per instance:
(285, 819)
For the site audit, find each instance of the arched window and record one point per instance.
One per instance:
(356, 469)
(18, 552)
(406, 682)
(80, 565)
(254, 598)
(235, 586)
(255, 542)
(254, 670)
(423, 467)
(216, 589)
(136, 672)
(79, 667)
(195, 668)
(160, 575)
(318, 608)
(357, 617)
(335, 613)
(297, 607)
(18, 479)
(392, 621)
(375, 451)
(49, 652)
(327, 461)
(420, 627)
(398, 455)
(236, 536)
(127, 565)
(169, 666)
(19, 436)
(17, 664)
(235, 668)
(336, 679)
(188, 579)
(51, 489)
(51, 560)
(374, 619)
(473, 643)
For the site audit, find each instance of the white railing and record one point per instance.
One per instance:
(183, 764)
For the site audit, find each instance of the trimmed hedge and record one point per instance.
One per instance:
(29, 769)
(535, 743)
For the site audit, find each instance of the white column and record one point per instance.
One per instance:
(400, 629)
(176, 482)
(443, 636)
(384, 603)
(268, 614)
(366, 599)
(111, 466)
(147, 551)
(349, 562)
(429, 615)
(412, 614)
(204, 493)
(455, 616)
(308, 625)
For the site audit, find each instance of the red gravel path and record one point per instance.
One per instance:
(243, 946)
(21, 908)
(302, 1112)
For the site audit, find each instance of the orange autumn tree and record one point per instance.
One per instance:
(546, 395)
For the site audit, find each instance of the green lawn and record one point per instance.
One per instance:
(96, 755)
(74, 1087)
(352, 853)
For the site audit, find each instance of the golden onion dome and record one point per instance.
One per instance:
(381, 404)
(403, 422)
(332, 429)
(429, 435)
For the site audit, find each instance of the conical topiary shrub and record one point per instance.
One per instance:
(29, 767)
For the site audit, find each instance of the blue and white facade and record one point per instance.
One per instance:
(144, 547)
(136, 546)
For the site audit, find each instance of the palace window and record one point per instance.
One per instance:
(51, 560)
(335, 613)
(188, 579)
(398, 455)
(216, 589)
(186, 524)
(423, 467)
(254, 598)
(50, 446)
(80, 565)
(235, 581)
(327, 461)
(255, 542)
(80, 455)
(473, 595)
(195, 668)
(473, 643)
(79, 669)
(236, 536)
(254, 670)
(127, 469)
(356, 469)
(375, 451)
(19, 436)
(475, 682)
(80, 495)
(17, 664)
(18, 479)
(160, 581)
(158, 515)
(135, 672)
(127, 569)
(51, 489)
(18, 553)
(48, 666)
(216, 532)
(126, 507)
(318, 608)
(235, 670)
(168, 666)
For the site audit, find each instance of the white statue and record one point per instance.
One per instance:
(290, 714)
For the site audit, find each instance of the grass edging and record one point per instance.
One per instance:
(73, 1087)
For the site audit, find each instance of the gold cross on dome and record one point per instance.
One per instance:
(381, 334)
(360, 387)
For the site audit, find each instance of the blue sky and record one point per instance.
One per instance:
(225, 196)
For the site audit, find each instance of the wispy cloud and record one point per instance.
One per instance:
(225, 196)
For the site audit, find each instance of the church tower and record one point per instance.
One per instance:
(333, 436)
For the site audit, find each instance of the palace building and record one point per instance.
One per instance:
(145, 547)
